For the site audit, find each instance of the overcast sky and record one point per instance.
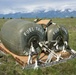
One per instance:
(26, 6)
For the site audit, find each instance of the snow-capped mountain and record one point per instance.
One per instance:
(42, 14)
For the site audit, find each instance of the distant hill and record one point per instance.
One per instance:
(42, 14)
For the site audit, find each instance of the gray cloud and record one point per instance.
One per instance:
(26, 6)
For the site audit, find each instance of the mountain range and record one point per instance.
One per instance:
(41, 14)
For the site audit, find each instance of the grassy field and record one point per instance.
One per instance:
(68, 68)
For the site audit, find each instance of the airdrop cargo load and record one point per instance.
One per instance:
(42, 42)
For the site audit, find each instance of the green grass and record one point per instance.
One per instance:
(68, 68)
(2, 21)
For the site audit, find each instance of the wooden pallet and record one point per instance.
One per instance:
(22, 60)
